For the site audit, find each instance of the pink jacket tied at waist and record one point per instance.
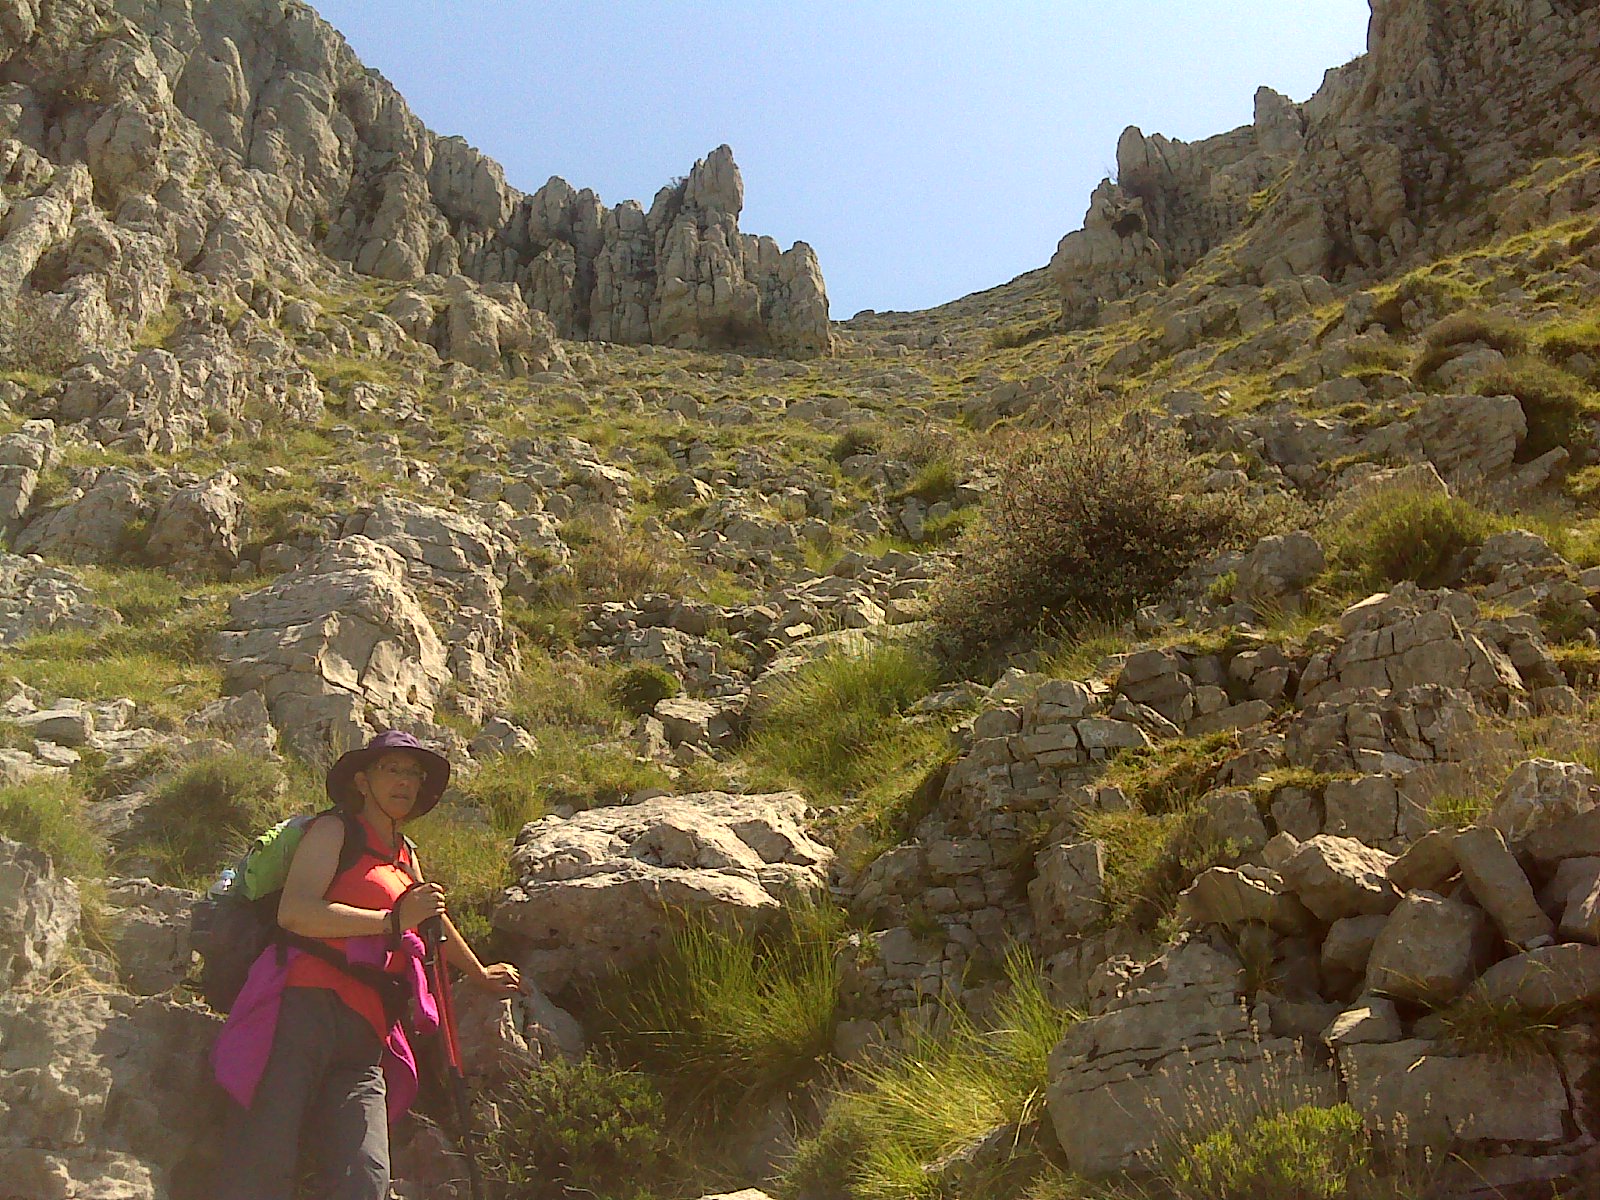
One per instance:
(240, 1056)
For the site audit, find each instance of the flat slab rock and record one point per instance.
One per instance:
(1445, 1100)
(603, 890)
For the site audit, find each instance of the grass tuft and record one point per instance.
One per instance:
(727, 1016)
(942, 1092)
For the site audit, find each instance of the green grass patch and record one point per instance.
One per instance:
(941, 1093)
(1173, 777)
(725, 1016)
(161, 657)
(204, 814)
(1150, 859)
(49, 815)
(836, 727)
(567, 769)
(472, 860)
(1479, 1025)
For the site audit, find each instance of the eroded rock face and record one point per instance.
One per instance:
(339, 647)
(1379, 164)
(245, 137)
(104, 1095)
(603, 890)
(1177, 1033)
(38, 913)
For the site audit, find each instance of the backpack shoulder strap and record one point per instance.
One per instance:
(355, 839)
(415, 869)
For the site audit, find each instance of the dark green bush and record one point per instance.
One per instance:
(1401, 535)
(640, 688)
(578, 1129)
(1087, 526)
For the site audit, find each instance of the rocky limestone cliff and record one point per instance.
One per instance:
(240, 140)
(1429, 143)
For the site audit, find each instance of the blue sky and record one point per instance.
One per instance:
(925, 150)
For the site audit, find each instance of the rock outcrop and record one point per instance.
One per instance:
(1386, 164)
(246, 139)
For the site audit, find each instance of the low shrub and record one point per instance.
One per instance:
(1555, 404)
(640, 688)
(1306, 1153)
(1021, 333)
(1472, 325)
(941, 1092)
(858, 439)
(583, 1128)
(728, 1015)
(1086, 526)
(1404, 535)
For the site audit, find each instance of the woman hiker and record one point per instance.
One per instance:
(315, 1042)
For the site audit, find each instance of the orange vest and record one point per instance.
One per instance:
(372, 881)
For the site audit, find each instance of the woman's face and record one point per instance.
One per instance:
(393, 782)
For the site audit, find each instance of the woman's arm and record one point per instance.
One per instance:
(498, 979)
(303, 908)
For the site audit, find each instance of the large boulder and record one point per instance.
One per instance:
(198, 528)
(465, 564)
(1431, 1096)
(338, 647)
(604, 890)
(1340, 877)
(1430, 950)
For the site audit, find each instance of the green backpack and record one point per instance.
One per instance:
(237, 919)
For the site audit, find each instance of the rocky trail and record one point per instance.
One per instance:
(1048, 746)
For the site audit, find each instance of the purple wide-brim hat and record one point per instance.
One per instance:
(341, 776)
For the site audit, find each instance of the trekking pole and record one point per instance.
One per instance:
(433, 937)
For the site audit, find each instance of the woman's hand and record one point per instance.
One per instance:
(500, 980)
(421, 903)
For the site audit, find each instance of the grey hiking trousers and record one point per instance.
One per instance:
(323, 1077)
